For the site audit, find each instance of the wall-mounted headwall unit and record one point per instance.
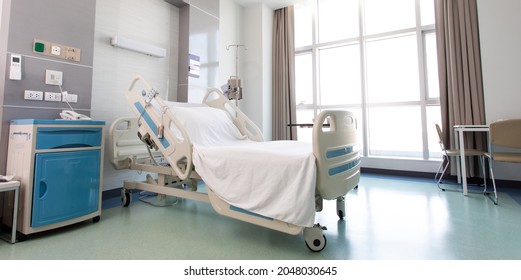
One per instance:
(56, 50)
(137, 46)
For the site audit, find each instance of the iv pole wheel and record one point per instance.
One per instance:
(341, 207)
(125, 198)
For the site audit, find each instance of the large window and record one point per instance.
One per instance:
(376, 58)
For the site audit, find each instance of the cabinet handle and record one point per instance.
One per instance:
(43, 189)
(20, 133)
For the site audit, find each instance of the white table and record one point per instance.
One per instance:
(12, 186)
(459, 131)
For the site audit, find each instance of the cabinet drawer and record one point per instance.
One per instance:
(59, 138)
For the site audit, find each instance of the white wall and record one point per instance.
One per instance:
(230, 29)
(154, 22)
(250, 26)
(267, 50)
(258, 21)
(500, 37)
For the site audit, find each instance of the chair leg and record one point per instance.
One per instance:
(483, 169)
(444, 164)
(493, 181)
(439, 169)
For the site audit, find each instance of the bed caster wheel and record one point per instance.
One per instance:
(96, 219)
(319, 203)
(341, 207)
(315, 238)
(193, 185)
(125, 198)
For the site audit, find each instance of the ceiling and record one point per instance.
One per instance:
(273, 4)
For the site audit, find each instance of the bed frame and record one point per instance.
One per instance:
(168, 154)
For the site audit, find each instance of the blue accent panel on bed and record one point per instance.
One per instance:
(339, 152)
(240, 210)
(343, 167)
(150, 123)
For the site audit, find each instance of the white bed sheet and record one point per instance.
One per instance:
(275, 179)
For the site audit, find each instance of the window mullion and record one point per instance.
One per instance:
(363, 75)
(314, 56)
(423, 81)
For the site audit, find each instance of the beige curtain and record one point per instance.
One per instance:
(283, 77)
(459, 64)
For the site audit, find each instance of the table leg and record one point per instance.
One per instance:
(15, 215)
(462, 165)
(458, 163)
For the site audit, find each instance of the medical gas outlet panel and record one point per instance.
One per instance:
(59, 165)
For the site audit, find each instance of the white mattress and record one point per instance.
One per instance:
(275, 179)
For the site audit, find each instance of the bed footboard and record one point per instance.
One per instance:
(338, 159)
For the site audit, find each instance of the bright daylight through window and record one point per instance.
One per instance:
(376, 58)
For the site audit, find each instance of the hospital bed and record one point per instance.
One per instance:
(274, 184)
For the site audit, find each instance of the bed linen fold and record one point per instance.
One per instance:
(275, 179)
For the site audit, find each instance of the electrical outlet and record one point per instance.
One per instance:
(53, 96)
(71, 98)
(33, 95)
(73, 54)
(56, 50)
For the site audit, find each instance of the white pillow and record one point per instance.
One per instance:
(207, 126)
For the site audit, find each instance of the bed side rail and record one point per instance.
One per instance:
(124, 144)
(215, 98)
(159, 127)
(336, 151)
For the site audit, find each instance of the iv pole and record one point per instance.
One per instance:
(234, 83)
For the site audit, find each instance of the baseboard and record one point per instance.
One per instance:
(392, 172)
(499, 183)
(109, 194)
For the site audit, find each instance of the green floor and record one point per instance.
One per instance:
(386, 218)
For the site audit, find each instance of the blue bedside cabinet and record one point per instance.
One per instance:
(59, 166)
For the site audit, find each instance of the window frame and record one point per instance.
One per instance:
(424, 101)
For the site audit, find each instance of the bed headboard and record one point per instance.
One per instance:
(174, 144)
